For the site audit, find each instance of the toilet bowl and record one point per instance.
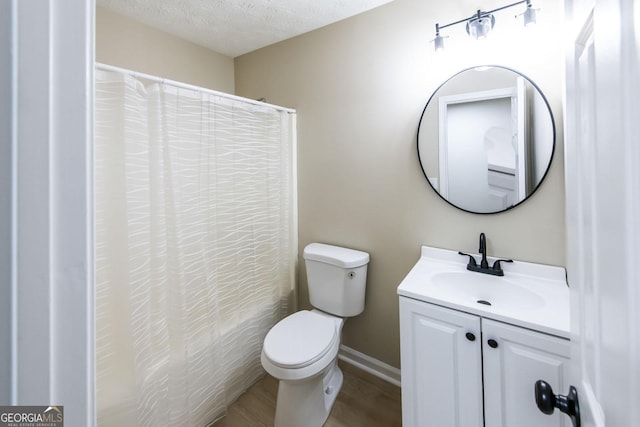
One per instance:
(302, 349)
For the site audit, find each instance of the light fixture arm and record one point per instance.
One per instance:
(440, 27)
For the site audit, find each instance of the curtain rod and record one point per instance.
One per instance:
(106, 67)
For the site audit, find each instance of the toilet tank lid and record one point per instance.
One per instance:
(335, 255)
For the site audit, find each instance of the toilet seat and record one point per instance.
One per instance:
(300, 340)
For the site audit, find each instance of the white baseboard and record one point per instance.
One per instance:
(369, 364)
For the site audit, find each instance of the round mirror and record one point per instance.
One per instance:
(486, 139)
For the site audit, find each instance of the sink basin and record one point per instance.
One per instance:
(491, 291)
(534, 296)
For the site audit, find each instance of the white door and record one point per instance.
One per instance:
(441, 366)
(602, 162)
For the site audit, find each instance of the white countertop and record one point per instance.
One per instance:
(533, 296)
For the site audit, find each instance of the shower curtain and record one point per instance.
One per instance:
(194, 252)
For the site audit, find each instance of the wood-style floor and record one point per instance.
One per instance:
(364, 401)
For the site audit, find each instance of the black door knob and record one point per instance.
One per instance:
(492, 343)
(470, 336)
(547, 401)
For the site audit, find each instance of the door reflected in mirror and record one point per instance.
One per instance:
(486, 139)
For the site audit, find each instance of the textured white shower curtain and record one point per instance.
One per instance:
(193, 248)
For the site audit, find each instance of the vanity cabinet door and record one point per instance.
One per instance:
(441, 366)
(514, 359)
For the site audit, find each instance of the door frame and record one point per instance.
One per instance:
(47, 350)
(444, 102)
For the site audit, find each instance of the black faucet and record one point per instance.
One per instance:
(495, 270)
(483, 251)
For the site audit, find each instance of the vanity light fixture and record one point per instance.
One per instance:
(481, 23)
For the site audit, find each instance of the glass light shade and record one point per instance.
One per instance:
(529, 16)
(478, 28)
(438, 43)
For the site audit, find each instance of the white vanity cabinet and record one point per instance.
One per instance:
(465, 370)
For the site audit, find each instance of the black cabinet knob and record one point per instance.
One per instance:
(547, 401)
(470, 336)
(492, 343)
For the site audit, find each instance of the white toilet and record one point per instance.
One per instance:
(302, 349)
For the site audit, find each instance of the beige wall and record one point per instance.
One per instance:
(359, 87)
(128, 44)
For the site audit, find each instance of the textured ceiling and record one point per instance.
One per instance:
(235, 27)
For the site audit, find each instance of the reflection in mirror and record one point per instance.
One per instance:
(486, 139)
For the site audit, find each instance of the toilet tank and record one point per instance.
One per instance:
(336, 278)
